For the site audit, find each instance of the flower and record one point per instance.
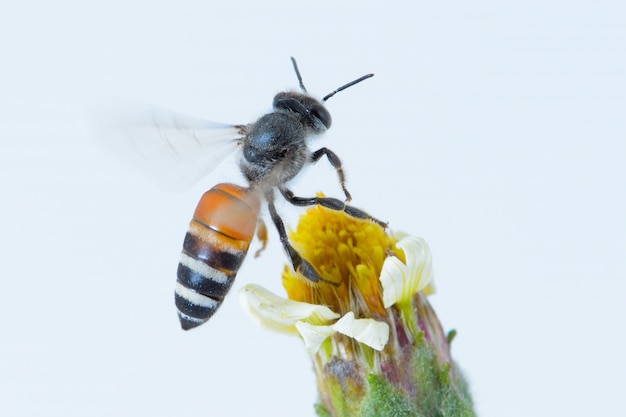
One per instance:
(373, 336)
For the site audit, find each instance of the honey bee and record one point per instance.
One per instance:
(273, 151)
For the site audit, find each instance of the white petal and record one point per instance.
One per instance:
(400, 281)
(370, 332)
(281, 314)
(313, 336)
(392, 278)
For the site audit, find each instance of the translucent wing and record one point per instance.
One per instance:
(176, 150)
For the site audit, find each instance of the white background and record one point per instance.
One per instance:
(494, 131)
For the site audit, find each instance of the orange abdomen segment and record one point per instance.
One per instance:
(229, 209)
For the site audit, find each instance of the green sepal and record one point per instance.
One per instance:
(442, 389)
(385, 400)
(322, 411)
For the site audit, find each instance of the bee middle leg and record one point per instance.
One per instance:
(331, 203)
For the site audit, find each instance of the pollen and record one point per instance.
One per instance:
(349, 254)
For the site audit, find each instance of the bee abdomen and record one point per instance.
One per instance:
(213, 250)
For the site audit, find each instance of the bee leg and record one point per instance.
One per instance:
(331, 203)
(300, 264)
(336, 163)
(261, 234)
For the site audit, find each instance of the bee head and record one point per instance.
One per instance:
(311, 111)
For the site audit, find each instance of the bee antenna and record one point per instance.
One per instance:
(295, 67)
(350, 84)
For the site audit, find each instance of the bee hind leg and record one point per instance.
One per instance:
(261, 234)
(299, 264)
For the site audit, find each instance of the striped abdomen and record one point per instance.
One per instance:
(214, 248)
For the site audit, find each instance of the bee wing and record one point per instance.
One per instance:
(176, 150)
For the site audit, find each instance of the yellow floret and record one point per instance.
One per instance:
(347, 252)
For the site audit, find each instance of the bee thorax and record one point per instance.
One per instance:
(274, 150)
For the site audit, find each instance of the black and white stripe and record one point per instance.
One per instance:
(201, 288)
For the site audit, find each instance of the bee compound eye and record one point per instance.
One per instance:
(319, 112)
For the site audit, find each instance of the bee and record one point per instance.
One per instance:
(273, 150)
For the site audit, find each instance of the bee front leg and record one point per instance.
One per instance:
(336, 163)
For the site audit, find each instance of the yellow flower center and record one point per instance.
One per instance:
(347, 252)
